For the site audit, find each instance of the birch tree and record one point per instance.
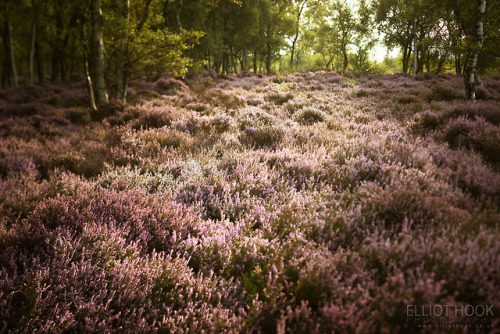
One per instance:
(470, 71)
(97, 54)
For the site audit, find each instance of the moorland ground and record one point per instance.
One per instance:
(311, 202)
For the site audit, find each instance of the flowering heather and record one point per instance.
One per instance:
(305, 203)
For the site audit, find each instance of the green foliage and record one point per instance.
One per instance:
(143, 37)
(139, 43)
(361, 63)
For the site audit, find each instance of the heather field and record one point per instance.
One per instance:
(305, 203)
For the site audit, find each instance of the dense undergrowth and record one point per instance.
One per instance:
(300, 203)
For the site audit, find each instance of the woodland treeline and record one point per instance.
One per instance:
(112, 42)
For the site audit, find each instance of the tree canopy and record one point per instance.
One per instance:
(112, 42)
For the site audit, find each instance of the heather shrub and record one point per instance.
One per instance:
(202, 213)
(155, 117)
(77, 115)
(107, 281)
(262, 137)
(92, 164)
(254, 100)
(252, 116)
(457, 130)
(489, 111)
(106, 110)
(474, 134)
(443, 262)
(333, 78)
(482, 93)
(15, 163)
(407, 99)
(151, 222)
(423, 76)
(169, 86)
(124, 117)
(24, 94)
(294, 105)
(22, 110)
(396, 206)
(169, 138)
(88, 159)
(279, 98)
(72, 97)
(218, 123)
(199, 107)
(467, 169)
(250, 83)
(429, 119)
(231, 102)
(143, 94)
(439, 92)
(68, 160)
(227, 99)
(364, 93)
(309, 116)
(485, 140)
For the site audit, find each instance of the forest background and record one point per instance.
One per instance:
(114, 42)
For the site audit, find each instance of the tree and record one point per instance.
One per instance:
(34, 27)
(97, 54)
(470, 71)
(276, 25)
(364, 38)
(10, 60)
(396, 20)
(344, 20)
(335, 26)
(298, 9)
(139, 42)
(473, 25)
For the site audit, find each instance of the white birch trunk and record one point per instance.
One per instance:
(471, 72)
(97, 54)
(415, 50)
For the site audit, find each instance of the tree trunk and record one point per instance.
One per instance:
(87, 57)
(470, 72)
(32, 51)
(97, 54)
(90, 85)
(405, 59)
(178, 10)
(57, 49)
(39, 62)
(255, 62)
(415, 50)
(10, 46)
(121, 83)
(345, 61)
(12, 57)
(235, 65)
(6, 60)
(441, 63)
(268, 54)
(297, 28)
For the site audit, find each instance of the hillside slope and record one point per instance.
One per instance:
(300, 203)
